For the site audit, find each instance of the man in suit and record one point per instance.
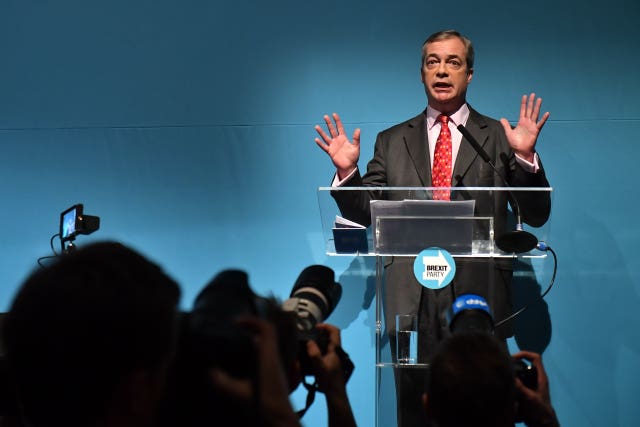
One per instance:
(403, 157)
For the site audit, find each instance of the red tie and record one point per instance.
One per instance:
(441, 171)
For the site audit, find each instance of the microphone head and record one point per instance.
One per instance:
(517, 241)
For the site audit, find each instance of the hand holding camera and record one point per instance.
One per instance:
(326, 365)
(273, 388)
(534, 404)
(331, 367)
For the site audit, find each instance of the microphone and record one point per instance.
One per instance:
(517, 241)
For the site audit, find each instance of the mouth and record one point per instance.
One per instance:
(442, 86)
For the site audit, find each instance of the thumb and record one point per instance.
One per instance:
(506, 125)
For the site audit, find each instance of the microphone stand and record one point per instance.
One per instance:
(517, 241)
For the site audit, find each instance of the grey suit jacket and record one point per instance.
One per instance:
(401, 159)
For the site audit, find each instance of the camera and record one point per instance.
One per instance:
(74, 222)
(210, 338)
(470, 313)
(526, 373)
(313, 298)
(215, 340)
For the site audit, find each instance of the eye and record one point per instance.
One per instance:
(431, 63)
(454, 64)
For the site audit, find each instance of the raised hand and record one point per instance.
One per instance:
(343, 153)
(523, 137)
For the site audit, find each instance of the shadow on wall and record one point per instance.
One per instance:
(598, 319)
(358, 291)
(533, 326)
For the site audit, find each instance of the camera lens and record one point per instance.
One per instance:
(470, 313)
(314, 296)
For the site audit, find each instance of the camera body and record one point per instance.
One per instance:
(210, 338)
(526, 373)
(213, 339)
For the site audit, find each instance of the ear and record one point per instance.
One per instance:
(469, 75)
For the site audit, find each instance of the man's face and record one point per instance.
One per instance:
(445, 74)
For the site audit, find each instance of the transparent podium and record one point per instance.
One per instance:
(395, 224)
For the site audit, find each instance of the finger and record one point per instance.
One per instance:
(356, 137)
(536, 110)
(336, 117)
(263, 333)
(322, 145)
(543, 120)
(532, 97)
(239, 389)
(332, 331)
(523, 106)
(313, 351)
(332, 129)
(522, 389)
(315, 356)
(322, 134)
(528, 355)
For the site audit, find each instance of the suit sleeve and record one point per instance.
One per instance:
(535, 206)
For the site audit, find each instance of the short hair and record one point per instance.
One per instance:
(78, 327)
(471, 382)
(450, 34)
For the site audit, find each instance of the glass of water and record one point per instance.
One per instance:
(406, 339)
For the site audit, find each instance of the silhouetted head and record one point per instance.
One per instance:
(471, 383)
(81, 331)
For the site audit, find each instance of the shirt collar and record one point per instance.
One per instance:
(458, 118)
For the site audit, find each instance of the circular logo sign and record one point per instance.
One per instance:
(434, 268)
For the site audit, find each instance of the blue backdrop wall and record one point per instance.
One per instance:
(187, 126)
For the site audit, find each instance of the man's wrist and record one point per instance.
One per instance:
(529, 157)
(338, 180)
(532, 166)
(344, 173)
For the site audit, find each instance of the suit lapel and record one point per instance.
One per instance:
(466, 154)
(415, 139)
